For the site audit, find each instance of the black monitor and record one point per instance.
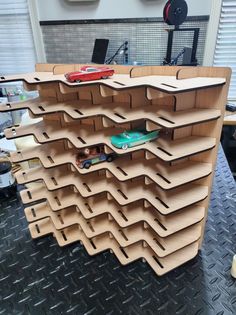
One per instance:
(100, 50)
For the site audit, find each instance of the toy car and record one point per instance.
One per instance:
(88, 73)
(93, 155)
(131, 138)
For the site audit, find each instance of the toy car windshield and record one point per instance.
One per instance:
(126, 135)
(91, 70)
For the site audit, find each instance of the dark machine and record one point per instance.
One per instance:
(175, 13)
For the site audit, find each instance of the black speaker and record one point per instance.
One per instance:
(100, 50)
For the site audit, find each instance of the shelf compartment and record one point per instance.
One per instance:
(122, 82)
(124, 216)
(124, 236)
(58, 199)
(124, 193)
(106, 241)
(84, 136)
(119, 113)
(165, 176)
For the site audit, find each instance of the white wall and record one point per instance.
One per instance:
(107, 9)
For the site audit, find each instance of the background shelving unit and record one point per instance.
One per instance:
(151, 202)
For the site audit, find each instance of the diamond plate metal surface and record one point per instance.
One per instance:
(38, 277)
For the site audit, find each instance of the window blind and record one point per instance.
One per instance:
(17, 52)
(225, 50)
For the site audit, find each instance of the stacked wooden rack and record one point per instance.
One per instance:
(151, 201)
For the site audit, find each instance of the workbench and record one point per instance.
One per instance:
(230, 119)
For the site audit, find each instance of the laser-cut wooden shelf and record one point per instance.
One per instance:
(165, 176)
(164, 148)
(151, 202)
(167, 84)
(118, 113)
(126, 236)
(106, 241)
(124, 193)
(124, 215)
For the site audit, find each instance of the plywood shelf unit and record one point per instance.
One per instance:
(151, 201)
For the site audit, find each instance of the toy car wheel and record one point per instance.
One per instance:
(105, 77)
(109, 158)
(125, 146)
(87, 165)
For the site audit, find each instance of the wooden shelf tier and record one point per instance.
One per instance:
(82, 136)
(119, 82)
(126, 236)
(119, 113)
(123, 192)
(107, 241)
(93, 207)
(123, 168)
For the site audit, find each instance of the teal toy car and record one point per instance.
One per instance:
(132, 138)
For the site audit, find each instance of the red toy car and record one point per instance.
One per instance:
(88, 73)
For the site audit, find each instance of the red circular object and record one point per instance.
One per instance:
(167, 12)
(175, 12)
